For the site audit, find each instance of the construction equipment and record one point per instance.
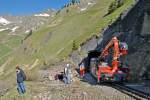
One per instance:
(107, 66)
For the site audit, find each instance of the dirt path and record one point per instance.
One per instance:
(79, 89)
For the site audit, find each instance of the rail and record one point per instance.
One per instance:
(127, 89)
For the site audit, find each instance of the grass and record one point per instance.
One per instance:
(13, 94)
(14, 41)
(77, 26)
(8, 45)
(4, 50)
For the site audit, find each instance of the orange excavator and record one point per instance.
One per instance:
(114, 72)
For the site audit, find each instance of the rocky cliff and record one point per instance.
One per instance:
(135, 27)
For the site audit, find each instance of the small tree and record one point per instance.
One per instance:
(73, 1)
(75, 45)
(67, 11)
(28, 35)
(58, 12)
(120, 3)
(114, 5)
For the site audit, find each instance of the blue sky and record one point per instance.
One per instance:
(27, 7)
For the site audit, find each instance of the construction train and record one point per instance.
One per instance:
(107, 65)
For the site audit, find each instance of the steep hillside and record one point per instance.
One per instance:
(54, 41)
(70, 24)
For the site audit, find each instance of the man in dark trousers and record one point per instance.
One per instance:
(21, 77)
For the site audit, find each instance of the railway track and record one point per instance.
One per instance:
(132, 92)
(136, 94)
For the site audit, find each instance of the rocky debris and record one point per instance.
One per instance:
(78, 90)
(3, 88)
(49, 74)
(2, 92)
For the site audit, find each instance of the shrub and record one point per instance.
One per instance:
(58, 12)
(75, 45)
(32, 76)
(67, 11)
(114, 5)
(75, 1)
(28, 35)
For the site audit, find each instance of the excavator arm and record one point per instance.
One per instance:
(114, 42)
(106, 72)
(116, 53)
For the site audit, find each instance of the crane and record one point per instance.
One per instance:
(106, 72)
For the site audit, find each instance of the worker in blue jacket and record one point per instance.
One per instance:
(21, 77)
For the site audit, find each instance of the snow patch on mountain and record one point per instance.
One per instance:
(42, 15)
(83, 9)
(27, 31)
(89, 3)
(14, 29)
(3, 21)
(3, 29)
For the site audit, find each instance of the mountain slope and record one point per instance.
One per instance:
(54, 41)
(77, 26)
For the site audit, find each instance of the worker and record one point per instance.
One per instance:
(124, 48)
(82, 70)
(21, 77)
(99, 72)
(65, 69)
(67, 74)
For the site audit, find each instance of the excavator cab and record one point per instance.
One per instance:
(123, 48)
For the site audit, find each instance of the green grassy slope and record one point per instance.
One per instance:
(74, 26)
(8, 43)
